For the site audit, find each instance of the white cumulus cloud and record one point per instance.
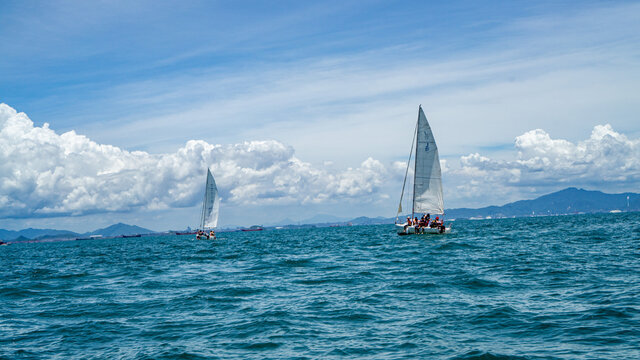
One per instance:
(43, 173)
(607, 160)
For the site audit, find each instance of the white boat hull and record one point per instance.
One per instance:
(411, 230)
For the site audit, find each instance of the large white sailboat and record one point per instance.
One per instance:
(210, 206)
(427, 181)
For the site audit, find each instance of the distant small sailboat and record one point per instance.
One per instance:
(210, 207)
(427, 180)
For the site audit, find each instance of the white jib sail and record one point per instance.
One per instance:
(210, 204)
(427, 185)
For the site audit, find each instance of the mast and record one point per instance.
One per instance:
(415, 165)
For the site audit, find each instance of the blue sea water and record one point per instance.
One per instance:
(531, 288)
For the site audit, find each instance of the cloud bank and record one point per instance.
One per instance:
(46, 174)
(607, 160)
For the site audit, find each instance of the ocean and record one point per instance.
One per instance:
(565, 287)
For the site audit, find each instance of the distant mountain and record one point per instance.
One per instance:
(323, 218)
(61, 235)
(8, 234)
(120, 229)
(40, 234)
(22, 238)
(567, 201)
(31, 233)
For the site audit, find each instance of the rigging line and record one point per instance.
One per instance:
(407, 171)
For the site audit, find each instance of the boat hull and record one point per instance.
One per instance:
(411, 230)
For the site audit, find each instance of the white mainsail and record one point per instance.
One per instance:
(427, 176)
(210, 204)
(427, 180)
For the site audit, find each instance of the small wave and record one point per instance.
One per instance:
(415, 285)
(504, 238)
(481, 355)
(205, 251)
(319, 281)
(475, 283)
(142, 259)
(172, 354)
(302, 262)
(349, 352)
(273, 314)
(407, 345)
(455, 246)
(609, 313)
(249, 329)
(152, 284)
(367, 274)
(262, 346)
(41, 273)
(500, 314)
(318, 305)
(241, 291)
(73, 275)
(351, 316)
(16, 293)
(337, 352)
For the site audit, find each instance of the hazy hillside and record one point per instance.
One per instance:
(567, 201)
(120, 229)
(34, 233)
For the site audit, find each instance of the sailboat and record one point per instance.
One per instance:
(210, 207)
(427, 181)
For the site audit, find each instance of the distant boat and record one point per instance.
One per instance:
(253, 228)
(132, 236)
(210, 206)
(187, 233)
(427, 180)
(91, 237)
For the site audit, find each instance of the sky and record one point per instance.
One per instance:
(112, 111)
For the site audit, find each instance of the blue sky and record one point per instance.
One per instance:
(335, 83)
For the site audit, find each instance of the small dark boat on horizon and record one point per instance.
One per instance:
(253, 228)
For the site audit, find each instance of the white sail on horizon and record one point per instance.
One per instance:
(210, 204)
